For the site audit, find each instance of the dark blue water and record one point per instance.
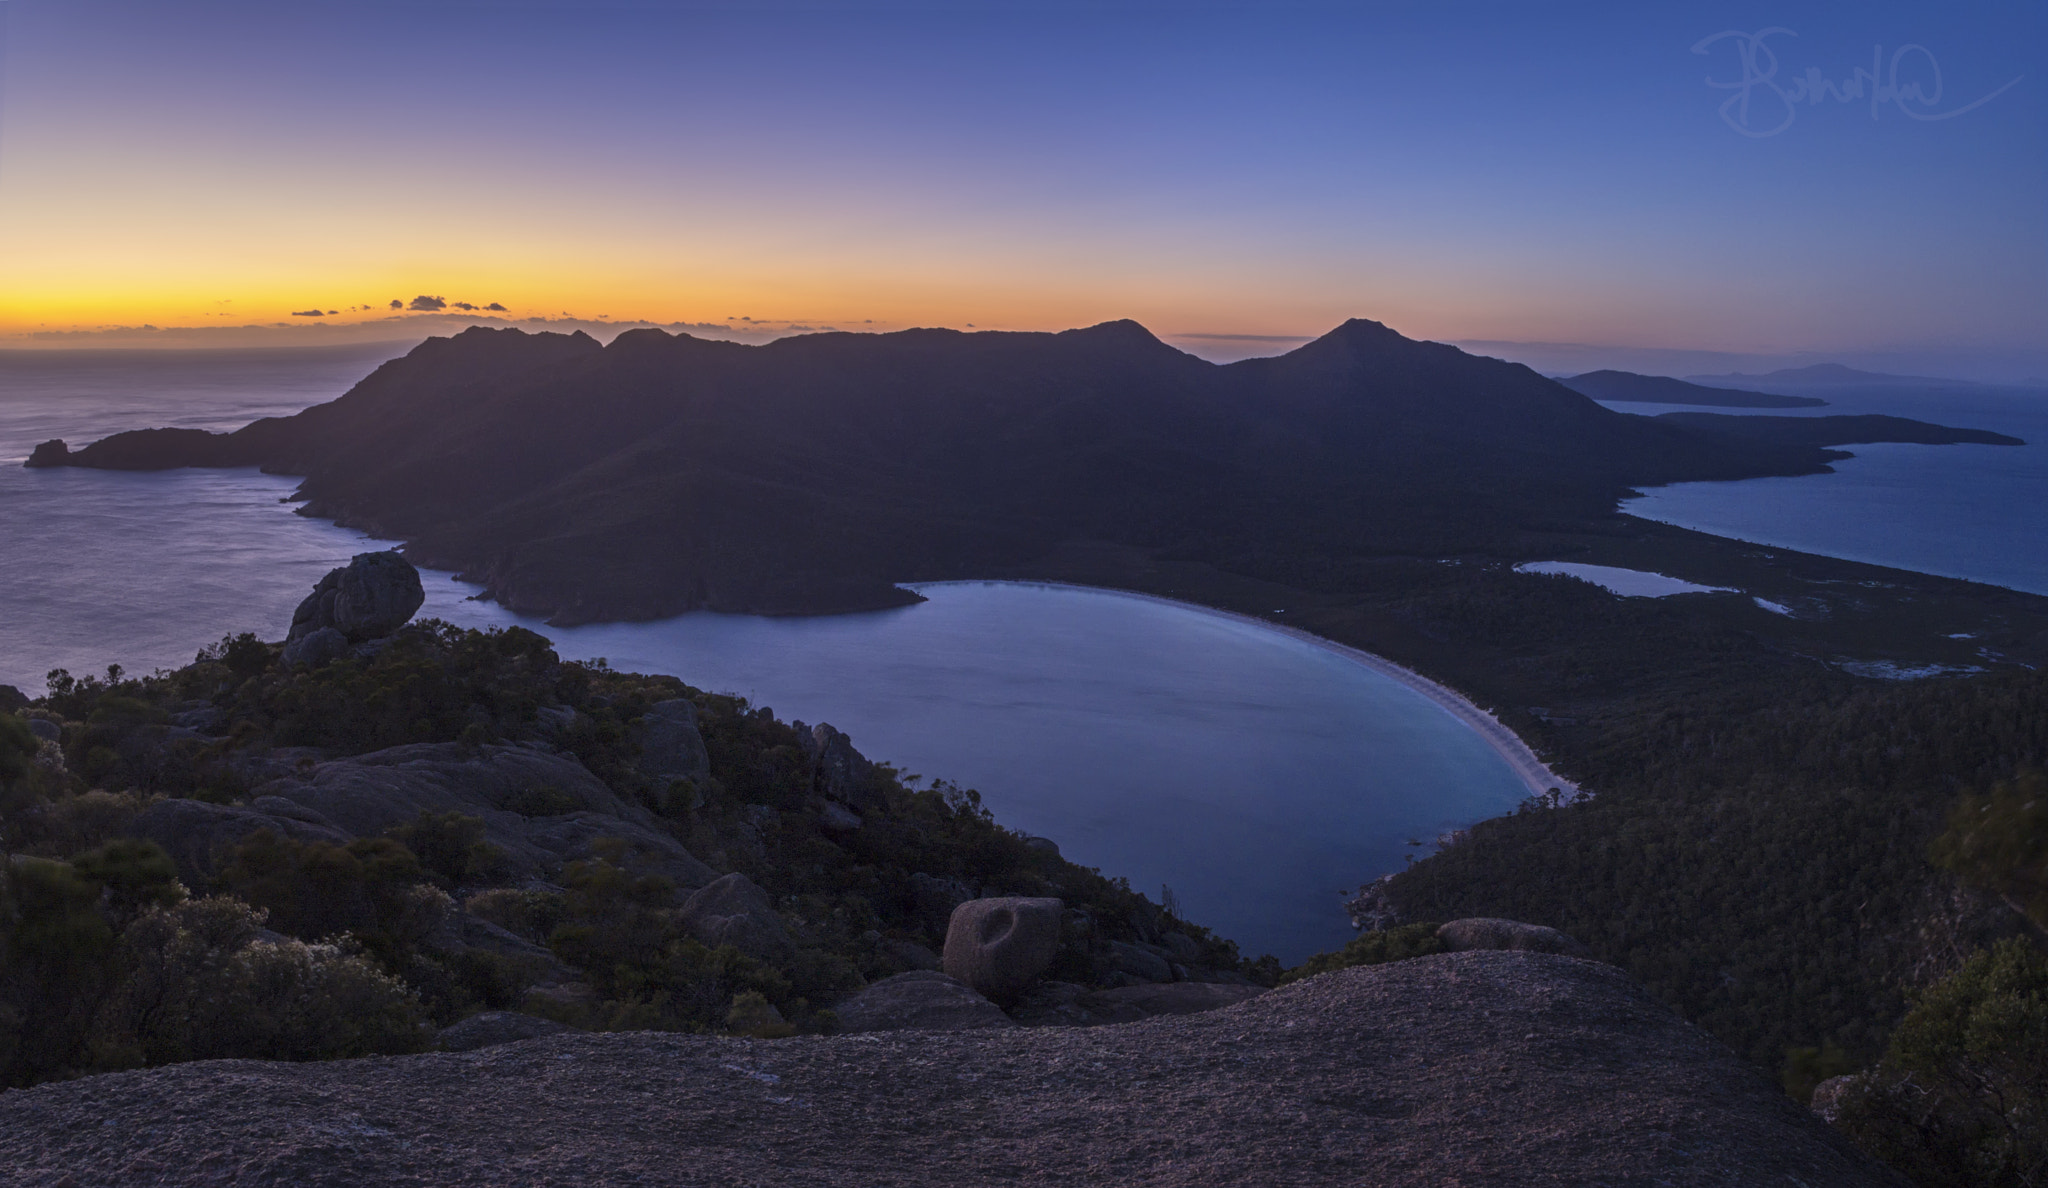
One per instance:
(1253, 772)
(1968, 511)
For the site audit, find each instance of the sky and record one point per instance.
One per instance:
(1572, 178)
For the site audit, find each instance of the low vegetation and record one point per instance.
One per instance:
(1961, 1096)
(305, 949)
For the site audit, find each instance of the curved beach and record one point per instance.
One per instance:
(1525, 763)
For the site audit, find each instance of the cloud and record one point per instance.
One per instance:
(397, 304)
(494, 307)
(427, 304)
(461, 304)
(308, 313)
(393, 329)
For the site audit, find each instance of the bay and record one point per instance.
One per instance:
(1255, 773)
(1965, 511)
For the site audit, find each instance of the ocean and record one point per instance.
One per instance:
(1967, 511)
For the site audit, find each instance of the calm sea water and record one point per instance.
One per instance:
(1255, 774)
(1968, 511)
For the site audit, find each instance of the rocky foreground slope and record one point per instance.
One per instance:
(1463, 1068)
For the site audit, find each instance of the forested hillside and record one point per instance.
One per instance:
(1761, 860)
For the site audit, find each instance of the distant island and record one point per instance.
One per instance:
(1827, 375)
(1626, 387)
(1861, 429)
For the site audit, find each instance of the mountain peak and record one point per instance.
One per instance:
(1361, 334)
(1120, 330)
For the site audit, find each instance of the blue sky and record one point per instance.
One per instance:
(1501, 172)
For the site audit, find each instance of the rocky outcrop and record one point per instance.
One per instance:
(1484, 1069)
(198, 835)
(904, 954)
(49, 454)
(840, 772)
(934, 898)
(731, 910)
(372, 596)
(921, 1000)
(492, 1028)
(671, 747)
(319, 647)
(541, 810)
(837, 818)
(1482, 932)
(460, 930)
(1138, 962)
(1000, 946)
(1830, 1095)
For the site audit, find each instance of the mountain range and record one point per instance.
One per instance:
(665, 473)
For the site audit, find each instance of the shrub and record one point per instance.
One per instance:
(135, 874)
(316, 889)
(70, 824)
(1999, 843)
(753, 1016)
(198, 985)
(1372, 948)
(1961, 1097)
(56, 955)
(20, 782)
(451, 846)
(541, 800)
(17, 750)
(530, 914)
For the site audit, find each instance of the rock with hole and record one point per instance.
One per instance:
(1000, 946)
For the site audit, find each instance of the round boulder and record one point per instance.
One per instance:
(731, 910)
(999, 946)
(375, 595)
(1484, 932)
(370, 597)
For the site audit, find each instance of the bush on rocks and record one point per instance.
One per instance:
(1372, 948)
(1962, 1092)
(198, 983)
(716, 789)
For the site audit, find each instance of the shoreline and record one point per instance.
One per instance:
(1535, 774)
